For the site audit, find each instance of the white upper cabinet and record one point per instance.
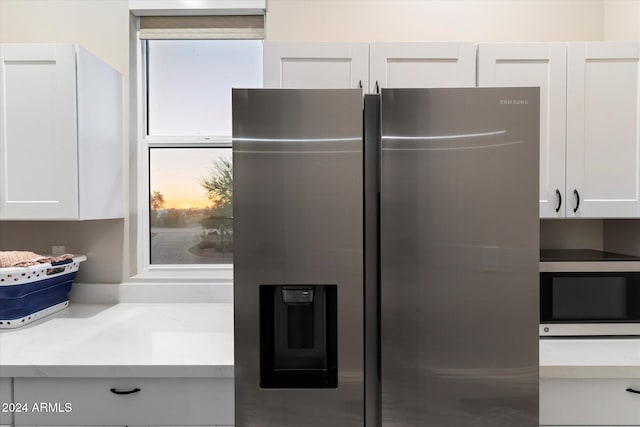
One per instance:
(422, 65)
(61, 144)
(542, 65)
(603, 144)
(316, 65)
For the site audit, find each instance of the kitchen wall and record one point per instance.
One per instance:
(622, 20)
(572, 234)
(622, 235)
(433, 20)
(101, 241)
(102, 26)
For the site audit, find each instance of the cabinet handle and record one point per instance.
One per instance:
(360, 84)
(577, 200)
(116, 391)
(630, 390)
(377, 87)
(559, 200)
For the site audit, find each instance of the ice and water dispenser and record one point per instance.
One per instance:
(298, 336)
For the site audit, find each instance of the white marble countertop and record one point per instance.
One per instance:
(123, 340)
(196, 340)
(590, 358)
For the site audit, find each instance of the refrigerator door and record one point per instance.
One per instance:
(459, 257)
(298, 257)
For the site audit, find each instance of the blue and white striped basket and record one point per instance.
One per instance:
(30, 293)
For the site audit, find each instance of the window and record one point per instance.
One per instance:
(185, 162)
(189, 84)
(190, 213)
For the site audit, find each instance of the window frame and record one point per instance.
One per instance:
(140, 236)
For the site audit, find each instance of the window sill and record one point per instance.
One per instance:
(147, 291)
(187, 274)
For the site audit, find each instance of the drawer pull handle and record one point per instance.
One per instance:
(116, 391)
(630, 390)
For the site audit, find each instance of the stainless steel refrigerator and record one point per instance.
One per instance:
(386, 269)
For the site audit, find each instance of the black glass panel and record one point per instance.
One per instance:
(597, 298)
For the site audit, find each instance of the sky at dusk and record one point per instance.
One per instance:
(178, 172)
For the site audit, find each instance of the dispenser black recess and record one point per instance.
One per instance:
(298, 336)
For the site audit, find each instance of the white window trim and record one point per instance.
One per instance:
(147, 272)
(196, 7)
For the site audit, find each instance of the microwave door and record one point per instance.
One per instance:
(590, 303)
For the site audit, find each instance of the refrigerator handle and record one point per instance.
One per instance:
(577, 201)
(559, 200)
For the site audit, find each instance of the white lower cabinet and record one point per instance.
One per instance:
(143, 402)
(6, 397)
(589, 402)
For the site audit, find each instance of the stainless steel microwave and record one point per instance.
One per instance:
(589, 293)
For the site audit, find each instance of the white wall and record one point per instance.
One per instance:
(622, 235)
(100, 241)
(571, 234)
(434, 20)
(622, 20)
(102, 27)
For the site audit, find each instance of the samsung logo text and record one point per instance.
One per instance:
(514, 102)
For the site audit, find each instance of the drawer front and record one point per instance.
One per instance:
(6, 396)
(589, 402)
(160, 401)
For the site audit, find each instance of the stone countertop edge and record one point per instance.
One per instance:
(115, 371)
(587, 371)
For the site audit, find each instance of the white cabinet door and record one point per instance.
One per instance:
(603, 144)
(316, 65)
(100, 160)
(543, 65)
(38, 142)
(61, 145)
(597, 402)
(422, 65)
(6, 396)
(154, 401)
